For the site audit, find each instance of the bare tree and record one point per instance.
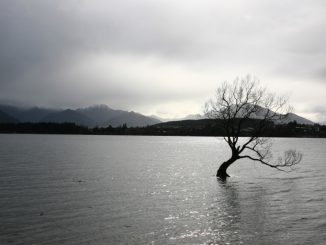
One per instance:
(246, 108)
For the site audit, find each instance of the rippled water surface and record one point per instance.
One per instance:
(155, 190)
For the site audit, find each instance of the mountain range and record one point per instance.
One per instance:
(277, 118)
(289, 117)
(5, 118)
(101, 116)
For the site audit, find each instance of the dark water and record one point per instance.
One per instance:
(155, 190)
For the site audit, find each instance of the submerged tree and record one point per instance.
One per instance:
(246, 108)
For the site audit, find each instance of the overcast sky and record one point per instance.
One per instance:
(163, 57)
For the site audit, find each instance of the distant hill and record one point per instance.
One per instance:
(5, 118)
(68, 116)
(193, 117)
(104, 116)
(133, 119)
(34, 114)
(99, 115)
(214, 127)
(291, 117)
(188, 117)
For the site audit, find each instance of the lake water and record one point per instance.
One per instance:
(62, 189)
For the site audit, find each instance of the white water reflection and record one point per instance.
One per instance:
(161, 190)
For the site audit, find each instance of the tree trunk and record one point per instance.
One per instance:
(221, 172)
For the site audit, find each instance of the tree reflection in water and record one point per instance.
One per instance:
(238, 216)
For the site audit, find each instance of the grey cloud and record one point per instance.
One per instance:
(319, 109)
(41, 41)
(322, 74)
(55, 28)
(320, 112)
